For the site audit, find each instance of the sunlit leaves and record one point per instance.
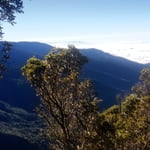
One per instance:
(69, 107)
(143, 87)
(67, 104)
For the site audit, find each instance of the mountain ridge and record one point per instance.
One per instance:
(110, 74)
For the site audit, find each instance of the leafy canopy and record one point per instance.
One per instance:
(68, 105)
(8, 9)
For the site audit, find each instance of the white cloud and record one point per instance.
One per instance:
(138, 51)
(135, 47)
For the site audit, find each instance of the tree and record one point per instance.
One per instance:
(5, 48)
(69, 107)
(8, 9)
(143, 87)
(68, 104)
(132, 124)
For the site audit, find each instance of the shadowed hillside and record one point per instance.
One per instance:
(10, 142)
(110, 74)
(19, 129)
(14, 88)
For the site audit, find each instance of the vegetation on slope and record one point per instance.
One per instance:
(20, 124)
(69, 107)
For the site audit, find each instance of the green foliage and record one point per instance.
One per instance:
(34, 68)
(112, 110)
(4, 53)
(67, 104)
(8, 9)
(145, 75)
(20, 123)
(132, 125)
(69, 107)
(131, 103)
(105, 133)
(143, 87)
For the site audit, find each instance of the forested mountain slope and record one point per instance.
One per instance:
(110, 74)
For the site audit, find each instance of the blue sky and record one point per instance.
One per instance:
(85, 23)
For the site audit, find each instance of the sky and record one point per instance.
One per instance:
(120, 27)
